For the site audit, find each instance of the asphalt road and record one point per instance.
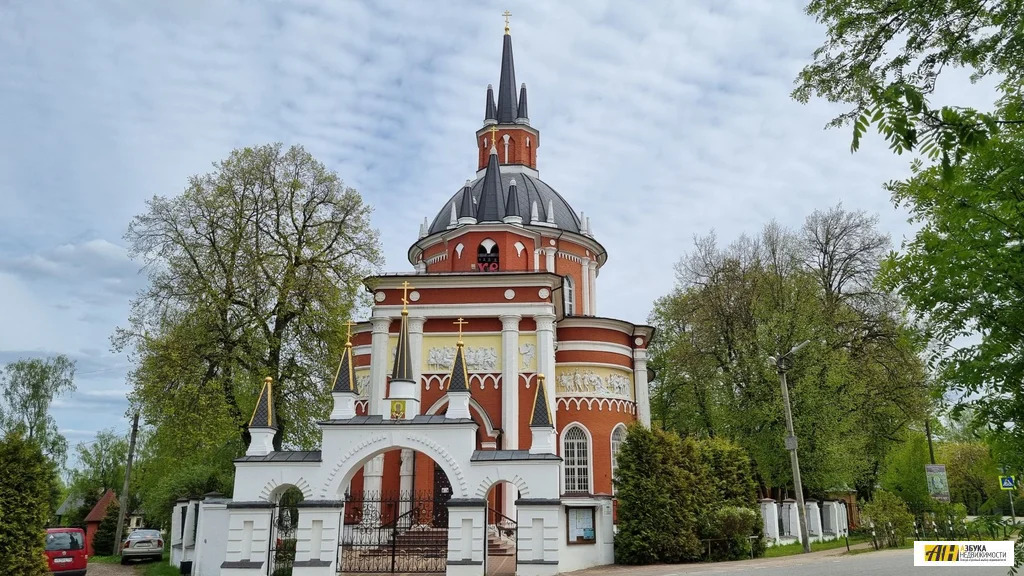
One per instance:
(883, 563)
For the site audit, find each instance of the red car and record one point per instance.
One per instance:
(65, 551)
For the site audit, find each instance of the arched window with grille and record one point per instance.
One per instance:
(570, 296)
(576, 460)
(618, 437)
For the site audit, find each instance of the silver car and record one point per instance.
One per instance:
(141, 544)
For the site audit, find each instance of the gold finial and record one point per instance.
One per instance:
(348, 337)
(405, 296)
(494, 136)
(460, 322)
(506, 14)
(540, 378)
(269, 380)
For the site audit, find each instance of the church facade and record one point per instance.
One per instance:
(477, 412)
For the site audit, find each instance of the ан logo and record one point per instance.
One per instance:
(942, 553)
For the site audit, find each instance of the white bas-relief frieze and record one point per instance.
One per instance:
(589, 383)
(363, 386)
(478, 358)
(527, 352)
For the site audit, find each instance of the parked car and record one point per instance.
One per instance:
(142, 544)
(65, 551)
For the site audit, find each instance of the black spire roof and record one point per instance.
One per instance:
(522, 104)
(459, 381)
(345, 379)
(467, 207)
(541, 417)
(403, 361)
(264, 416)
(491, 111)
(490, 196)
(512, 202)
(507, 107)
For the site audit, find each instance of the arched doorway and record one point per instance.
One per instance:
(502, 531)
(396, 529)
(284, 524)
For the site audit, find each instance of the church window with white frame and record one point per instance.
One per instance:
(570, 296)
(618, 437)
(576, 460)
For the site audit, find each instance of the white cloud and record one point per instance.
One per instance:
(660, 120)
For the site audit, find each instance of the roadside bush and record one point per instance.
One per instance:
(103, 542)
(734, 524)
(24, 506)
(892, 521)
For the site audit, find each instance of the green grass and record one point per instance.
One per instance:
(104, 560)
(797, 548)
(161, 568)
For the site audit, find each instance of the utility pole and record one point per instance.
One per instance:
(124, 491)
(782, 364)
(928, 432)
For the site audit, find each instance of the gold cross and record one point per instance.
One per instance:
(349, 324)
(405, 294)
(506, 14)
(494, 136)
(460, 323)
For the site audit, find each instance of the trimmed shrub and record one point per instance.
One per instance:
(24, 506)
(735, 525)
(892, 521)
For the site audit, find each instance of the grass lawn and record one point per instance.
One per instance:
(797, 548)
(161, 568)
(104, 560)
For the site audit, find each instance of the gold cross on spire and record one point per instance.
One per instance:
(494, 136)
(405, 295)
(506, 14)
(348, 337)
(460, 322)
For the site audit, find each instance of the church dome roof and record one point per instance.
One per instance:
(552, 209)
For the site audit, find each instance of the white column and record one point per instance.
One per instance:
(585, 277)
(536, 259)
(405, 480)
(640, 392)
(549, 262)
(510, 396)
(593, 287)
(416, 352)
(373, 473)
(546, 357)
(378, 364)
(770, 515)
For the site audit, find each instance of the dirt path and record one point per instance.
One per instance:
(111, 570)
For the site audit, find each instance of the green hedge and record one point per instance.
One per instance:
(24, 506)
(679, 498)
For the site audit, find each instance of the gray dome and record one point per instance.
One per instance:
(529, 190)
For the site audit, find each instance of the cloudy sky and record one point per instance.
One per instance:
(660, 120)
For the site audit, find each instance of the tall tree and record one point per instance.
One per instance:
(855, 388)
(101, 464)
(29, 387)
(253, 270)
(884, 58)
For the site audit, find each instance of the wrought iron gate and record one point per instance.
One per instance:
(284, 522)
(403, 532)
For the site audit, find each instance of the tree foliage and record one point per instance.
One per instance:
(903, 473)
(889, 519)
(854, 388)
(28, 481)
(884, 58)
(963, 272)
(253, 271)
(103, 543)
(29, 387)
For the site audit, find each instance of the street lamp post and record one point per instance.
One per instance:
(782, 364)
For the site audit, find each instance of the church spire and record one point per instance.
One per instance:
(403, 361)
(512, 215)
(508, 109)
(344, 390)
(490, 111)
(490, 195)
(458, 385)
(263, 424)
(522, 116)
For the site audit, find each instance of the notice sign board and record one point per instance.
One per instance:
(581, 525)
(938, 486)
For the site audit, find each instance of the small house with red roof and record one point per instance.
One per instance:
(95, 516)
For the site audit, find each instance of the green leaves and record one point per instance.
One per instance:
(28, 480)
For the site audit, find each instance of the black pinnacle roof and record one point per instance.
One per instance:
(345, 379)
(531, 191)
(403, 362)
(264, 416)
(490, 205)
(522, 104)
(459, 381)
(512, 200)
(507, 107)
(490, 110)
(541, 417)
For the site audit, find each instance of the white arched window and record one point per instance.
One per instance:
(576, 460)
(618, 437)
(570, 296)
